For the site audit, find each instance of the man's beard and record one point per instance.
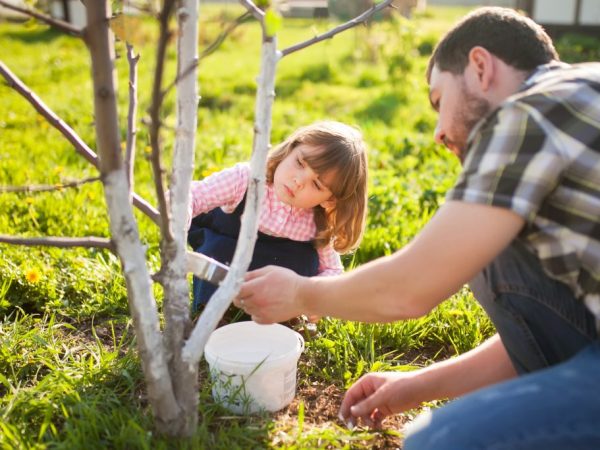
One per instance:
(471, 112)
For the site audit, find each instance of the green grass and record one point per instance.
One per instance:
(69, 373)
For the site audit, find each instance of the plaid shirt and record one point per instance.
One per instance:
(538, 155)
(227, 188)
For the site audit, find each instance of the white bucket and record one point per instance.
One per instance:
(253, 367)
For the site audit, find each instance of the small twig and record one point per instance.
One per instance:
(62, 242)
(178, 78)
(80, 146)
(331, 33)
(221, 38)
(132, 115)
(48, 188)
(56, 23)
(256, 12)
(155, 124)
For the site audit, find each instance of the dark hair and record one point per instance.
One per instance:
(515, 39)
(342, 148)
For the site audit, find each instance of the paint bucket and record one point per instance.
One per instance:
(253, 367)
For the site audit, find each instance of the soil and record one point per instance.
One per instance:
(321, 407)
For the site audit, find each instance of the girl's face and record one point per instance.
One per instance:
(296, 184)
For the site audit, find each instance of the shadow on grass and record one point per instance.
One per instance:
(35, 36)
(383, 108)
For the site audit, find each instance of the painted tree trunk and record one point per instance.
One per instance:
(123, 226)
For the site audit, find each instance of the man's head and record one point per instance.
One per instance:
(510, 36)
(477, 65)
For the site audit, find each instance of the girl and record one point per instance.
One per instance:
(314, 207)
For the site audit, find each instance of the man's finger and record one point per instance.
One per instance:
(253, 274)
(354, 395)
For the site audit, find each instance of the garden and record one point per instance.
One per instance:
(70, 374)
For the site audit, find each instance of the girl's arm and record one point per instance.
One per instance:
(225, 189)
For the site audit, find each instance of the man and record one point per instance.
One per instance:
(522, 224)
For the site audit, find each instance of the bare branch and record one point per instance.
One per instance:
(132, 115)
(229, 288)
(255, 11)
(15, 83)
(48, 187)
(189, 70)
(331, 33)
(62, 242)
(61, 25)
(80, 146)
(221, 38)
(155, 124)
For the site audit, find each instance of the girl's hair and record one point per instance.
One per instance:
(340, 148)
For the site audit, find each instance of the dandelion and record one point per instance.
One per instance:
(207, 172)
(32, 276)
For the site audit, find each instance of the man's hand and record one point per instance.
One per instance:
(378, 395)
(270, 295)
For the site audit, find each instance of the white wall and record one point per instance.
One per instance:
(509, 3)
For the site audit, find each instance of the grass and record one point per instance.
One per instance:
(69, 373)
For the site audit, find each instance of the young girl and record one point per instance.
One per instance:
(314, 207)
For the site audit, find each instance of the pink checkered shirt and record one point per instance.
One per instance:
(226, 189)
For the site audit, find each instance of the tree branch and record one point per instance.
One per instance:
(256, 12)
(221, 38)
(180, 76)
(80, 146)
(61, 242)
(61, 25)
(229, 288)
(155, 124)
(131, 115)
(47, 188)
(331, 33)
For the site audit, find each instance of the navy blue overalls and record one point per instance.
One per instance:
(215, 234)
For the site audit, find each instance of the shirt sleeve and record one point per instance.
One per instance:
(223, 189)
(330, 262)
(512, 162)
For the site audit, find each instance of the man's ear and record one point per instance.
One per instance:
(482, 63)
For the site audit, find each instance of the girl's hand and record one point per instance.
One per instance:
(270, 295)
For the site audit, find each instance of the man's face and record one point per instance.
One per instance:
(459, 110)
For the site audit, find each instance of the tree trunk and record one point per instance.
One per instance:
(123, 226)
(175, 284)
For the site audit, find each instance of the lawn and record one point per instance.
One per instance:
(69, 372)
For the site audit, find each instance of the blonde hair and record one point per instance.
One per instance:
(342, 149)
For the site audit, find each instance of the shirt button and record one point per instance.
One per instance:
(281, 219)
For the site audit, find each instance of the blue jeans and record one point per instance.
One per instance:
(552, 341)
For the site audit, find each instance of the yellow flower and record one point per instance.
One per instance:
(33, 276)
(207, 172)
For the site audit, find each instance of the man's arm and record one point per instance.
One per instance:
(378, 395)
(459, 241)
